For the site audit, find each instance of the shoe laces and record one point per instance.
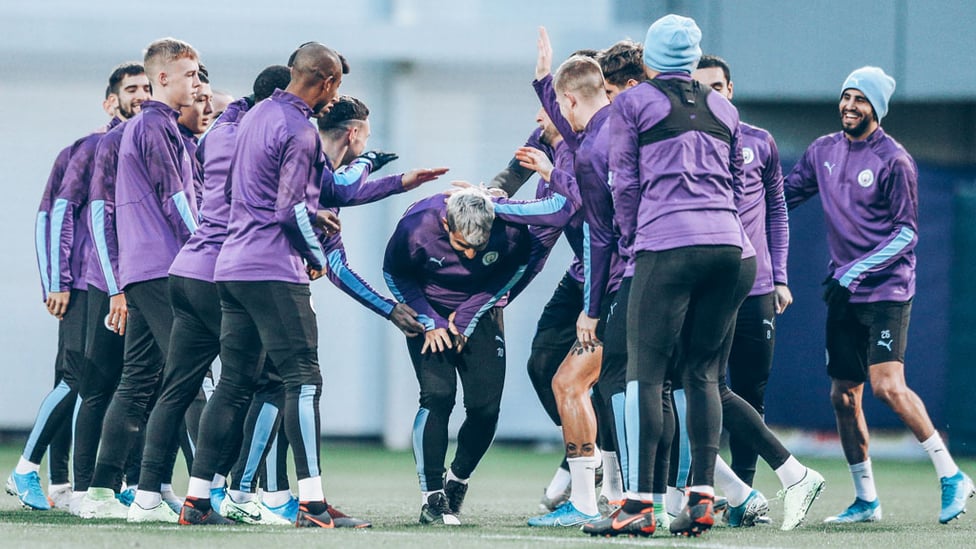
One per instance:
(34, 482)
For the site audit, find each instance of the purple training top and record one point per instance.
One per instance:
(602, 265)
(154, 196)
(762, 208)
(42, 225)
(424, 271)
(198, 256)
(103, 266)
(275, 180)
(869, 192)
(679, 191)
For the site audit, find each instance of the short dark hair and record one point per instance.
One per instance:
(622, 62)
(342, 59)
(709, 61)
(204, 74)
(345, 110)
(270, 79)
(129, 68)
(592, 54)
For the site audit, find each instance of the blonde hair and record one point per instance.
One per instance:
(580, 75)
(166, 50)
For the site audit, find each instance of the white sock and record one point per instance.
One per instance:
(219, 481)
(658, 498)
(166, 491)
(673, 503)
(863, 481)
(276, 499)
(613, 486)
(425, 495)
(560, 481)
(237, 496)
(310, 489)
(731, 485)
(148, 500)
(790, 472)
(24, 467)
(455, 478)
(583, 472)
(702, 489)
(198, 488)
(51, 488)
(945, 466)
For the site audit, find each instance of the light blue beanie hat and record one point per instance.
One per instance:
(875, 85)
(672, 44)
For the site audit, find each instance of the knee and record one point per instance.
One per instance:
(888, 391)
(562, 386)
(483, 413)
(538, 367)
(844, 399)
(438, 402)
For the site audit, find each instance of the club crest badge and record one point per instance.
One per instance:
(748, 155)
(865, 178)
(489, 258)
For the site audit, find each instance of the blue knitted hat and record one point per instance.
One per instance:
(875, 85)
(672, 44)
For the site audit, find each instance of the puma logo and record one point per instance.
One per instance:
(439, 262)
(885, 344)
(830, 168)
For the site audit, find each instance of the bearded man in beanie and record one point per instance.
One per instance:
(868, 186)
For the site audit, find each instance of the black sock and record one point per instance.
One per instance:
(634, 506)
(200, 504)
(315, 507)
(694, 498)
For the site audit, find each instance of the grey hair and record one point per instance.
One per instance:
(471, 212)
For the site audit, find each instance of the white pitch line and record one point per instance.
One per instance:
(625, 541)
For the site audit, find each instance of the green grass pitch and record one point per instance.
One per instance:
(381, 486)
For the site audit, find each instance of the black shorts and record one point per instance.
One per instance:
(556, 328)
(862, 334)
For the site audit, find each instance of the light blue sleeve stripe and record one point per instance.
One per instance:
(547, 206)
(419, 424)
(304, 225)
(101, 246)
(427, 322)
(350, 174)
(356, 285)
(40, 237)
(263, 427)
(306, 419)
(398, 295)
(493, 300)
(183, 206)
(587, 267)
(903, 239)
(57, 221)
